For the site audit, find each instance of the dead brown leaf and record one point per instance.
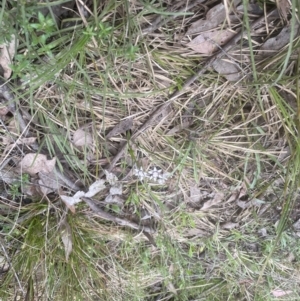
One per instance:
(243, 204)
(196, 232)
(82, 138)
(276, 43)
(34, 163)
(70, 201)
(121, 127)
(7, 52)
(8, 175)
(95, 188)
(48, 182)
(214, 17)
(228, 69)
(209, 42)
(218, 197)
(195, 194)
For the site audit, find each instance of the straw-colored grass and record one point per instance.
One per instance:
(223, 220)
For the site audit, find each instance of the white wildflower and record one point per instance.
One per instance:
(155, 174)
(139, 172)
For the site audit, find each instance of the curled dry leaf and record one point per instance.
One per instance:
(209, 42)
(34, 163)
(243, 204)
(228, 69)
(172, 288)
(95, 188)
(7, 52)
(121, 127)
(82, 138)
(218, 197)
(195, 194)
(214, 17)
(48, 182)
(195, 232)
(8, 175)
(262, 232)
(282, 39)
(70, 201)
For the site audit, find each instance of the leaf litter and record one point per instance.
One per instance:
(214, 17)
(278, 42)
(35, 163)
(210, 42)
(82, 138)
(121, 127)
(94, 189)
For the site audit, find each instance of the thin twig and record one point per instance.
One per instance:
(208, 63)
(122, 222)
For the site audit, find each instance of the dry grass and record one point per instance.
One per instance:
(230, 147)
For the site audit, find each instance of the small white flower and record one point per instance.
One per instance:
(155, 174)
(140, 173)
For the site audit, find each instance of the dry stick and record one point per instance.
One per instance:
(151, 120)
(109, 217)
